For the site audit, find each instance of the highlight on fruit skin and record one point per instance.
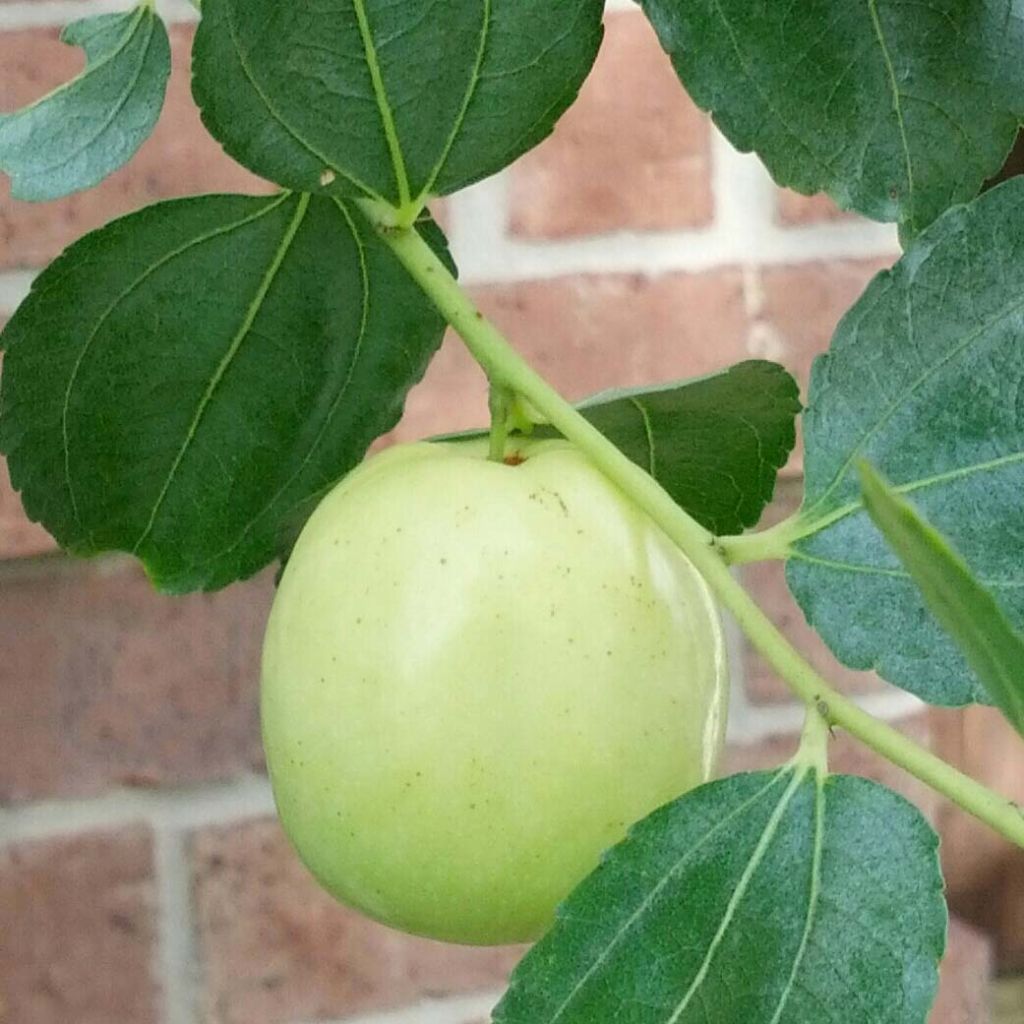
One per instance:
(476, 677)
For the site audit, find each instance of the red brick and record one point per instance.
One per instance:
(984, 873)
(794, 208)
(794, 312)
(179, 159)
(631, 153)
(18, 537)
(588, 333)
(846, 755)
(106, 682)
(77, 920)
(278, 949)
(801, 306)
(965, 979)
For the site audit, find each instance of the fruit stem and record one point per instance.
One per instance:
(502, 363)
(500, 405)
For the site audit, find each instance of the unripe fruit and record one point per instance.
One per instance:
(476, 676)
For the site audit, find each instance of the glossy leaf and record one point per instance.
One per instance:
(184, 383)
(74, 137)
(394, 100)
(897, 109)
(964, 608)
(924, 378)
(769, 898)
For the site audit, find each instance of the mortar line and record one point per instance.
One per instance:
(58, 13)
(183, 809)
(433, 1011)
(177, 959)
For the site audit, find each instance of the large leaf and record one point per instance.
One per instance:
(183, 383)
(924, 378)
(391, 99)
(966, 610)
(83, 131)
(898, 109)
(770, 898)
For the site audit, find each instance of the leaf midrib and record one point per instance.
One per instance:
(897, 106)
(236, 343)
(683, 861)
(126, 94)
(740, 892)
(121, 297)
(342, 392)
(88, 70)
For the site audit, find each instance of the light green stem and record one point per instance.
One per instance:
(500, 404)
(505, 366)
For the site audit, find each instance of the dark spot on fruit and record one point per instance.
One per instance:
(515, 459)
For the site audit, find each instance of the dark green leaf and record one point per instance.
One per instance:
(924, 378)
(965, 609)
(391, 99)
(715, 443)
(772, 898)
(897, 109)
(185, 382)
(83, 131)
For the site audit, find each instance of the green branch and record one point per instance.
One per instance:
(507, 368)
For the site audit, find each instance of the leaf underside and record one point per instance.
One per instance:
(184, 383)
(388, 99)
(74, 137)
(897, 109)
(767, 898)
(924, 379)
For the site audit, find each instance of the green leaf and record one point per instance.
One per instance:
(924, 378)
(897, 109)
(390, 99)
(769, 898)
(715, 444)
(184, 383)
(965, 609)
(83, 131)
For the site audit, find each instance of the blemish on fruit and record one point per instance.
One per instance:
(515, 459)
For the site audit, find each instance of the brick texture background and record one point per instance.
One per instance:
(142, 875)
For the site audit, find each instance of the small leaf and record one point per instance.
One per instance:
(994, 649)
(925, 379)
(898, 109)
(83, 131)
(389, 99)
(769, 898)
(715, 443)
(184, 383)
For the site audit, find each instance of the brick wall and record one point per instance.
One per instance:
(140, 866)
